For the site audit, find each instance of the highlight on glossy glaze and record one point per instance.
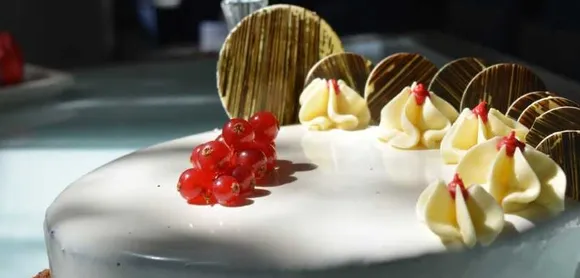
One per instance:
(518, 176)
(328, 104)
(475, 126)
(460, 215)
(416, 118)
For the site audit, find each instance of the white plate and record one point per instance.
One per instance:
(39, 83)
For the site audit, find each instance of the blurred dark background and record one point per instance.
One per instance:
(72, 33)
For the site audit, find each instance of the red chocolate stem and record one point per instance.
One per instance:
(334, 84)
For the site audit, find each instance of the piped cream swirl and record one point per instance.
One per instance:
(474, 127)
(518, 176)
(466, 217)
(412, 120)
(327, 104)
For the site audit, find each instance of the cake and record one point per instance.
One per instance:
(395, 181)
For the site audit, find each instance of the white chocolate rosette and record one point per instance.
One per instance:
(474, 127)
(416, 118)
(327, 104)
(460, 215)
(518, 176)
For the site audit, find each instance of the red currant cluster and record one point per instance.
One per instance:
(11, 61)
(226, 170)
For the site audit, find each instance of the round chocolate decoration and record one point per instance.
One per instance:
(520, 104)
(264, 60)
(564, 147)
(500, 85)
(392, 75)
(542, 106)
(555, 120)
(451, 80)
(352, 68)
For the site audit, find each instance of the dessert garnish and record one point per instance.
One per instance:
(11, 60)
(519, 177)
(420, 93)
(416, 118)
(332, 104)
(465, 219)
(475, 126)
(510, 143)
(226, 169)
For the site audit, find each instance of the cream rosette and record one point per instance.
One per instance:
(327, 104)
(474, 127)
(416, 118)
(518, 176)
(460, 215)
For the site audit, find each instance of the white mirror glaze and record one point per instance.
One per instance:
(126, 219)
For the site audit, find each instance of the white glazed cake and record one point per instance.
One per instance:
(341, 199)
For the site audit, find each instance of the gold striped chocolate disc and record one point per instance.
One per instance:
(555, 120)
(500, 85)
(352, 68)
(542, 106)
(452, 79)
(520, 104)
(264, 60)
(564, 148)
(392, 75)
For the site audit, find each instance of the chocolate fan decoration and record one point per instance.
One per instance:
(542, 106)
(564, 148)
(392, 75)
(555, 120)
(452, 79)
(352, 68)
(520, 104)
(501, 85)
(264, 60)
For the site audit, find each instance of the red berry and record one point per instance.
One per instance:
(11, 60)
(265, 125)
(253, 158)
(214, 156)
(192, 183)
(457, 182)
(245, 177)
(270, 153)
(220, 138)
(237, 131)
(194, 156)
(226, 189)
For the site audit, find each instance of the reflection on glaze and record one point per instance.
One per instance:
(328, 104)
(416, 118)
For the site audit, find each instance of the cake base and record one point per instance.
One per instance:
(342, 204)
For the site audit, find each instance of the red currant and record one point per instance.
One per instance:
(226, 189)
(194, 156)
(192, 183)
(11, 60)
(237, 131)
(245, 177)
(253, 158)
(214, 156)
(270, 153)
(265, 125)
(220, 138)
